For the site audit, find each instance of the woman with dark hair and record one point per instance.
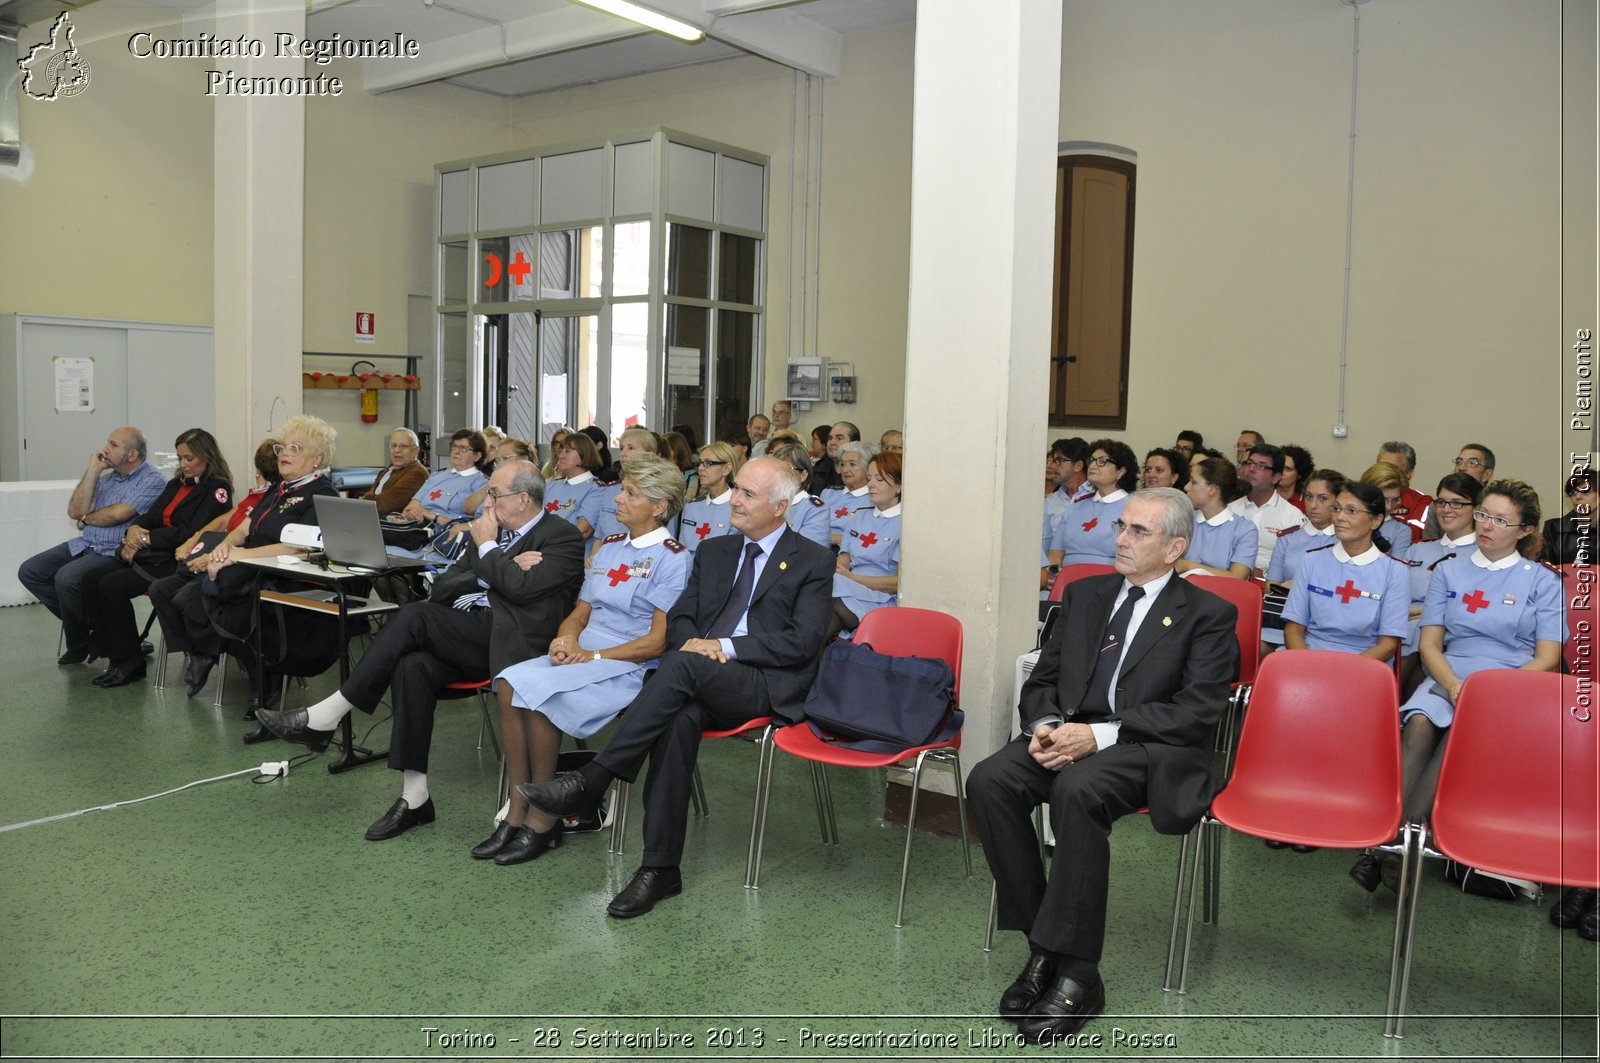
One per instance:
(1164, 467)
(819, 441)
(575, 496)
(1350, 596)
(1454, 501)
(607, 470)
(201, 491)
(1320, 495)
(1495, 607)
(1569, 539)
(1297, 464)
(442, 498)
(1224, 543)
(867, 575)
(1086, 533)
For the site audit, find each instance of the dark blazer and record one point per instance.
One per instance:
(1170, 692)
(1565, 536)
(209, 499)
(788, 618)
(526, 608)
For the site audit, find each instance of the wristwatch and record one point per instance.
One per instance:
(596, 655)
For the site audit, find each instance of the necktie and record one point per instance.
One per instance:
(744, 585)
(1098, 700)
(480, 599)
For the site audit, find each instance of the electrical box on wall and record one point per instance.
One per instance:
(803, 380)
(842, 389)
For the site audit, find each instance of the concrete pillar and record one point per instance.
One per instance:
(258, 166)
(984, 134)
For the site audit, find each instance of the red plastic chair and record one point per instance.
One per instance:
(1578, 583)
(1247, 596)
(1318, 764)
(1073, 573)
(1524, 808)
(899, 631)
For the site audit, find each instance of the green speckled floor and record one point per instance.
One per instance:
(252, 921)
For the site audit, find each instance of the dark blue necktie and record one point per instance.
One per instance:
(727, 621)
(1098, 700)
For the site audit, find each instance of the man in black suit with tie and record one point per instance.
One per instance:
(501, 602)
(1117, 715)
(748, 629)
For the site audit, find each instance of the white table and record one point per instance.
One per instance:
(33, 517)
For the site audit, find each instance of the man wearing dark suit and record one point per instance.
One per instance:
(748, 629)
(500, 603)
(1117, 715)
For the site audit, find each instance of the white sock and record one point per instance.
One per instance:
(500, 816)
(415, 788)
(326, 714)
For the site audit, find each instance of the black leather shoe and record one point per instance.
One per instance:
(1570, 908)
(486, 849)
(274, 697)
(1018, 998)
(1271, 844)
(1368, 872)
(400, 818)
(528, 845)
(146, 650)
(1589, 922)
(649, 886)
(562, 796)
(75, 655)
(200, 666)
(291, 727)
(260, 734)
(1061, 1010)
(1304, 848)
(120, 675)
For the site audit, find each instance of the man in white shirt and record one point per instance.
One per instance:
(1273, 515)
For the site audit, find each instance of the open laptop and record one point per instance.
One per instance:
(351, 536)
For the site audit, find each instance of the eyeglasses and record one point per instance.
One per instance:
(1451, 503)
(462, 447)
(1485, 517)
(1469, 463)
(1099, 463)
(1336, 510)
(498, 495)
(1138, 531)
(294, 449)
(1264, 466)
(1058, 459)
(710, 464)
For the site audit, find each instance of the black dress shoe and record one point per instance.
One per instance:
(260, 734)
(200, 666)
(75, 655)
(1062, 1010)
(1304, 848)
(1368, 872)
(528, 845)
(1569, 909)
(562, 796)
(146, 650)
(400, 818)
(120, 675)
(274, 697)
(649, 885)
(486, 849)
(291, 727)
(1589, 922)
(1017, 1000)
(1272, 844)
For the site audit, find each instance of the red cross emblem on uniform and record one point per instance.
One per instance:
(619, 574)
(1348, 591)
(703, 530)
(433, 496)
(869, 538)
(1089, 525)
(1475, 601)
(842, 511)
(551, 506)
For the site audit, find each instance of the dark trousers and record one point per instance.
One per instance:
(164, 594)
(426, 647)
(1064, 912)
(686, 694)
(56, 578)
(108, 595)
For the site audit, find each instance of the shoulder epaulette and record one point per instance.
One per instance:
(815, 501)
(617, 538)
(605, 480)
(1281, 532)
(1553, 569)
(673, 546)
(1436, 564)
(1315, 549)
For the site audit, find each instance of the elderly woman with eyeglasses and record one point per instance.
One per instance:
(1495, 607)
(708, 516)
(841, 502)
(443, 496)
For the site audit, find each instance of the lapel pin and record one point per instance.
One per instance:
(1166, 621)
(782, 565)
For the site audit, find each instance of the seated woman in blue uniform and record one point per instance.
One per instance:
(1224, 543)
(635, 442)
(1164, 467)
(707, 516)
(1087, 533)
(1386, 478)
(1319, 494)
(867, 575)
(442, 497)
(575, 496)
(600, 655)
(806, 515)
(1453, 502)
(841, 502)
(1491, 607)
(1350, 595)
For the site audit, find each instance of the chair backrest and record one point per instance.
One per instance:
(1578, 585)
(1322, 731)
(1069, 573)
(1246, 596)
(1517, 789)
(902, 631)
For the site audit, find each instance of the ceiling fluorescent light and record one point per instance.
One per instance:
(646, 17)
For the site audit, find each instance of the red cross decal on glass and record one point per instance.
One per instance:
(869, 538)
(551, 506)
(619, 574)
(842, 511)
(703, 530)
(433, 496)
(1475, 601)
(1089, 525)
(519, 269)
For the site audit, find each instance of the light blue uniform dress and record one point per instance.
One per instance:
(872, 539)
(840, 503)
(1224, 540)
(1421, 559)
(1347, 603)
(1086, 533)
(605, 520)
(574, 497)
(1056, 503)
(706, 518)
(808, 516)
(1398, 532)
(1492, 618)
(1288, 553)
(625, 583)
(443, 493)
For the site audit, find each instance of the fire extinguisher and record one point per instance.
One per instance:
(369, 396)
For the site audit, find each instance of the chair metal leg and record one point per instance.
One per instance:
(758, 807)
(827, 797)
(816, 795)
(486, 724)
(1200, 842)
(697, 794)
(159, 680)
(1177, 910)
(1411, 860)
(961, 809)
(619, 821)
(222, 678)
(988, 928)
(911, 827)
(758, 825)
(1212, 856)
